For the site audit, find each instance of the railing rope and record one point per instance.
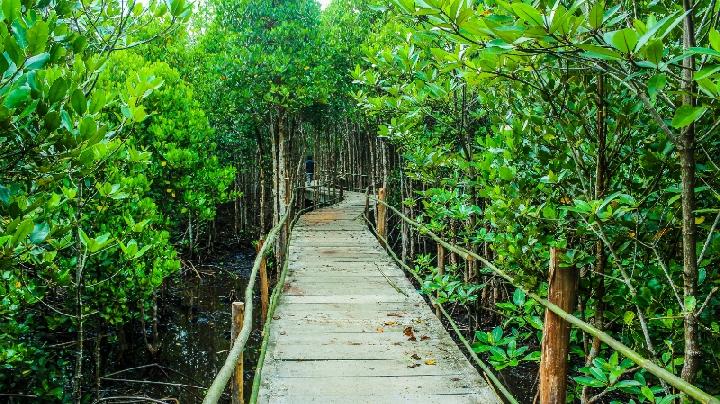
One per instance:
(215, 390)
(221, 380)
(496, 383)
(616, 345)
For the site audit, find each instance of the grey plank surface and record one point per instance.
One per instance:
(341, 332)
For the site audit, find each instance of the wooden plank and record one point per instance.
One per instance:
(339, 334)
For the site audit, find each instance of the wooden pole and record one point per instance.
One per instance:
(441, 272)
(556, 333)
(367, 204)
(381, 215)
(238, 314)
(264, 284)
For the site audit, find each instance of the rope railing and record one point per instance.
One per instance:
(215, 390)
(486, 369)
(221, 380)
(647, 364)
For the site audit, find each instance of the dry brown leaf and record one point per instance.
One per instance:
(430, 362)
(414, 365)
(424, 338)
(409, 333)
(391, 323)
(415, 356)
(380, 329)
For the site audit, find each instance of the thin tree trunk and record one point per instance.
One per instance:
(687, 157)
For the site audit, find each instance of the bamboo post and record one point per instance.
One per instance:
(381, 215)
(441, 272)
(264, 284)
(238, 314)
(556, 333)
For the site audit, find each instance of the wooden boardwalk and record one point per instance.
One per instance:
(350, 328)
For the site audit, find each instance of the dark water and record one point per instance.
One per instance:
(194, 330)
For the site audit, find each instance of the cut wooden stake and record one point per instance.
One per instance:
(264, 284)
(381, 215)
(556, 333)
(238, 314)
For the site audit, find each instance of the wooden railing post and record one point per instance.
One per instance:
(556, 333)
(264, 284)
(238, 314)
(440, 271)
(367, 204)
(381, 215)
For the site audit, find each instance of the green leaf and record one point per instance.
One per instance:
(39, 233)
(627, 383)
(4, 194)
(599, 52)
(654, 51)
(596, 15)
(690, 303)
(78, 101)
(715, 39)
(84, 239)
(37, 61)
(623, 40)
(519, 297)
(588, 381)
(58, 90)
(705, 72)
(645, 390)
(496, 334)
(17, 97)
(628, 317)
(23, 230)
(533, 356)
(11, 10)
(37, 37)
(656, 84)
(528, 13)
(506, 173)
(700, 51)
(686, 115)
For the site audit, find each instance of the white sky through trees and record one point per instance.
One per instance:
(324, 3)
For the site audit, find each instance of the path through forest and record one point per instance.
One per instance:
(350, 327)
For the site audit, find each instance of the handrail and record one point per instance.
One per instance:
(221, 379)
(488, 372)
(618, 346)
(217, 388)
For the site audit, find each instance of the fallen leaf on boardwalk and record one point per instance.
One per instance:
(391, 323)
(394, 314)
(424, 338)
(430, 362)
(415, 356)
(276, 317)
(414, 365)
(380, 329)
(409, 333)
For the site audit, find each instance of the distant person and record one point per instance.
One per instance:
(309, 170)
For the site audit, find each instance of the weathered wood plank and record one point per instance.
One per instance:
(340, 332)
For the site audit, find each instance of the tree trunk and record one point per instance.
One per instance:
(687, 158)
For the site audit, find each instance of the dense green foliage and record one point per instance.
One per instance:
(105, 157)
(536, 124)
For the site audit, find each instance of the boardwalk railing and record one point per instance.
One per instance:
(647, 364)
(216, 389)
